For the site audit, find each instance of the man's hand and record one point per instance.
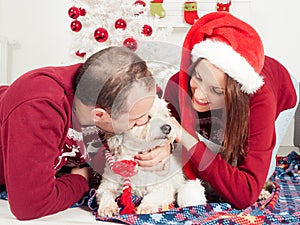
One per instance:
(93, 178)
(155, 159)
(81, 171)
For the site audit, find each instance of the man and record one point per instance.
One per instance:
(57, 117)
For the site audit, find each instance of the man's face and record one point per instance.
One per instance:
(139, 103)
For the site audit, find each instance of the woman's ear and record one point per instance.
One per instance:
(100, 115)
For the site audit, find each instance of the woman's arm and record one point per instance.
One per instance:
(250, 173)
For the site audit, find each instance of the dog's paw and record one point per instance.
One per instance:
(108, 209)
(264, 194)
(266, 191)
(147, 208)
(191, 193)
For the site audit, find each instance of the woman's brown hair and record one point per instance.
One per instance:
(236, 117)
(237, 121)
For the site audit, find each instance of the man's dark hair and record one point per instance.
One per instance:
(107, 76)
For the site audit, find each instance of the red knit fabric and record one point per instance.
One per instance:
(126, 201)
(31, 142)
(126, 169)
(221, 26)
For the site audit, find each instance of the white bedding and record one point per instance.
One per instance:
(70, 216)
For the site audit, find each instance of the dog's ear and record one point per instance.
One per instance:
(114, 144)
(160, 107)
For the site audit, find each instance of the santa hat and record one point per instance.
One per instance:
(230, 44)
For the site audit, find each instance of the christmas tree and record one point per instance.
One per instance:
(96, 24)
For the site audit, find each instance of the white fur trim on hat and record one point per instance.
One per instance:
(231, 62)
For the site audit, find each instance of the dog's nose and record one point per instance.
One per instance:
(166, 128)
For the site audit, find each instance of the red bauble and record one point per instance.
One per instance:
(74, 12)
(130, 43)
(147, 30)
(139, 2)
(76, 25)
(82, 12)
(120, 24)
(101, 34)
(80, 54)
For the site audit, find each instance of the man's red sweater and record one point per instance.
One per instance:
(35, 117)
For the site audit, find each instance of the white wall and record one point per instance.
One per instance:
(39, 34)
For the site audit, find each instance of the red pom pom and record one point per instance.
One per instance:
(125, 168)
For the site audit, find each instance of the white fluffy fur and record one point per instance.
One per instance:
(157, 188)
(188, 194)
(231, 62)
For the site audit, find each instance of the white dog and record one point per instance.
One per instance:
(156, 188)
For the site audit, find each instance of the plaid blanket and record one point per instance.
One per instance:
(283, 206)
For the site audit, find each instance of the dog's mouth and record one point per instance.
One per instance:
(158, 132)
(140, 145)
(148, 136)
(161, 137)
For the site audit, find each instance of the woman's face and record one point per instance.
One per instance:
(208, 87)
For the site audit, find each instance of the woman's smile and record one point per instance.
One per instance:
(200, 102)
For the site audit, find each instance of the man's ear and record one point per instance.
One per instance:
(100, 115)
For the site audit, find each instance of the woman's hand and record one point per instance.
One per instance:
(155, 159)
(182, 136)
(177, 128)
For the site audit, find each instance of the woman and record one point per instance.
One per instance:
(228, 96)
